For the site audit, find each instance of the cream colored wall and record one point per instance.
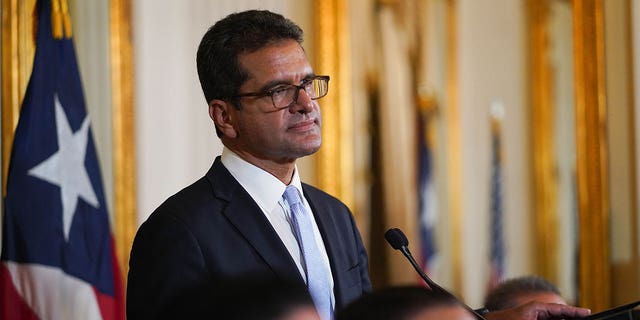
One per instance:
(175, 139)
(619, 129)
(492, 69)
(618, 107)
(90, 23)
(564, 128)
(436, 78)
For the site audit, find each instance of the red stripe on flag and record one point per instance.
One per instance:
(12, 306)
(106, 304)
(112, 308)
(118, 284)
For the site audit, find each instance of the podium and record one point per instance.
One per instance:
(630, 311)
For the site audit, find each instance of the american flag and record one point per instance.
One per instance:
(497, 240)
(58, 259)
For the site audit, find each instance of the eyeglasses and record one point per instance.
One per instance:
(283, 96)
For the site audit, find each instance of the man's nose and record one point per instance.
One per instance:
(303, 103)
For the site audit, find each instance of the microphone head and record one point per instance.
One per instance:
(396, 238)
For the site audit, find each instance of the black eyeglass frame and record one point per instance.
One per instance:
(302, 86)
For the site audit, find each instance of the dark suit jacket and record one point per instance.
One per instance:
(212, 230)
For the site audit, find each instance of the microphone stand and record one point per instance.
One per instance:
(403, 247)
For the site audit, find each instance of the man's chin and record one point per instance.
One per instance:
(309, 149)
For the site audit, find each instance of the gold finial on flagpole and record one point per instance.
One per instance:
(497, 115)
(60, 19)
(427, 103)
(426, 100)
(56, 19)
(66, 18)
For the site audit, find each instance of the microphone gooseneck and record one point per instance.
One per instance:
(399, 241)
(396, 238)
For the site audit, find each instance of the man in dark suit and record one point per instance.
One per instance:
(238, 220)
(250, 215)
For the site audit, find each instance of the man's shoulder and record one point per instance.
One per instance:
(203, 192)
(202, 199)
(197, 197)
(193, 194)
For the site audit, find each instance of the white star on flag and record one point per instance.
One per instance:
(66, 169)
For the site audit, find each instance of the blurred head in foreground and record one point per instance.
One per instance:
(518, 291)
(405, 303)
(259, 299)
(247, 298)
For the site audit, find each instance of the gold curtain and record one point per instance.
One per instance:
(335, 158)
(389, 80)
(542, 141)
(18, 49)
(124, 164)
(593, 201)
(397, 131)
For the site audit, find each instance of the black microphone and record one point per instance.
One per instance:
(399, 241)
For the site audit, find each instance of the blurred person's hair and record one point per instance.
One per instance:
(506, 294)
(246, 297)
(401, 302)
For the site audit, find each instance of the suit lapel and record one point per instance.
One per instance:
(248, 219)
(325, 223)
(329, 231)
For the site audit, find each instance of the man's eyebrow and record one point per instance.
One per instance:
(270, 84)
(267, 86)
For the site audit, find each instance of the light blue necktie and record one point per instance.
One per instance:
(317, 273)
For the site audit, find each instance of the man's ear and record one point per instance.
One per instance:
(222, 115)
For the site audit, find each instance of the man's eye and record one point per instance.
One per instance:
(279, 90)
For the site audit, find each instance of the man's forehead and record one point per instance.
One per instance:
(285, 62)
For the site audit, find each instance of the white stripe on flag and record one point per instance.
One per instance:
(52, 294)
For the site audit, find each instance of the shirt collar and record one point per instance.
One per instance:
(265, 189)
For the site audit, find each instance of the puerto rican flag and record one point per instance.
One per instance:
(58, 259)
(427, 198)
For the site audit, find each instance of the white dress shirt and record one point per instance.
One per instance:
(266, 190)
